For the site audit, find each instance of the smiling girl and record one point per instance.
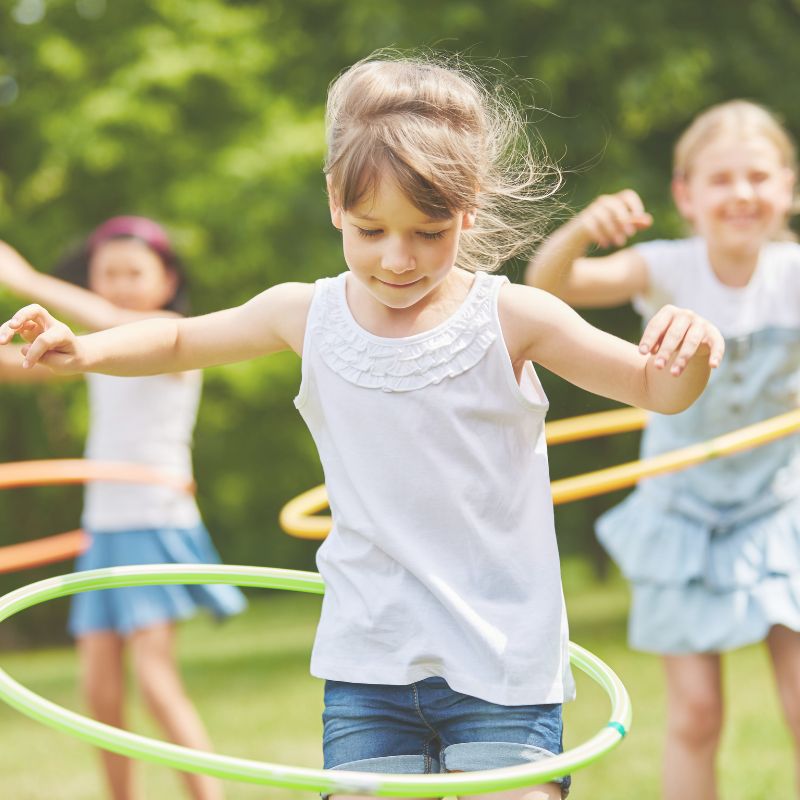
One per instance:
(131, 272)
(713, 553)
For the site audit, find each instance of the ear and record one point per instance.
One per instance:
(681, 194)
(468, 219)
(336, 210)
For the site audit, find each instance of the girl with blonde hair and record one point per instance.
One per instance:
(713, 552)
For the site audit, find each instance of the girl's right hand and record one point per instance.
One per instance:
(49, 341)
(611, 219)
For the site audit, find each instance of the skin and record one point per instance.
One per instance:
(402, 280)
(737, 195)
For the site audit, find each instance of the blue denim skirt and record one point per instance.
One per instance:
(127, 609)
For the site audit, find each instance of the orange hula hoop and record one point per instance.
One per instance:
(63, 546)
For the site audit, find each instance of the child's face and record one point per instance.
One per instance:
(129, 274)
(738, 193)
(396, 251)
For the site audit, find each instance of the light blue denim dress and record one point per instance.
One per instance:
(713, 552)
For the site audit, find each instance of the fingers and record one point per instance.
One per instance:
(57, 338)
(40, 330)
(674, 336)
(29, 322)
(612, 219)
(716, 346)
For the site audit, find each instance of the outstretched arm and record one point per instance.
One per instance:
(560, 265)
(272, 321)
(12, 371)
(666, 373)
(87, 309)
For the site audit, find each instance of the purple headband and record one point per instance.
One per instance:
(151, 233)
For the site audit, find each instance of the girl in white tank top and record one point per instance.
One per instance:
(443, 631)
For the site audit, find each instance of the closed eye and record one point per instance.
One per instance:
(369, 233)
(432, 234)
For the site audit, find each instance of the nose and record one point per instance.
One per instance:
(743, 189)
(398, 257)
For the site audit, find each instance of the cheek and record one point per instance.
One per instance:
(782, 199)
(357, 250)
(449, 251)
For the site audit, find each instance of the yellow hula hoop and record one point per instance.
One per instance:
(297, 516)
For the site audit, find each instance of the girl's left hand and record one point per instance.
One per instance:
(680, 333)
(48, 341)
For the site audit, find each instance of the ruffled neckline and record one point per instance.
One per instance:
(411, 362)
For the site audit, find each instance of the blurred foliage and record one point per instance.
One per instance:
(208, 116)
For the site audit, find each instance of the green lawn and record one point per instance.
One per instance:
(250, 680)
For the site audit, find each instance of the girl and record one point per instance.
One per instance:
(132, 273)
(713, 552)
(443, 636)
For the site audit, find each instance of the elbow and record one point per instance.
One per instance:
(558, 288)
(671, 407)
(675, 394)
(175, 343)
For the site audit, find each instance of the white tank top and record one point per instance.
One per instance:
(143, 421)
(442, 560)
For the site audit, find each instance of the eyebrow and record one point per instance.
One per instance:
(426, 221)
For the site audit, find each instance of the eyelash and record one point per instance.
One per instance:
(371, 234)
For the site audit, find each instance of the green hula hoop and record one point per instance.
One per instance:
(239, 769)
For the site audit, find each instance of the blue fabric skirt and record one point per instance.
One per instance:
(705, 578)
(127, 609)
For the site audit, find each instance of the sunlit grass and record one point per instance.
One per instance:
(250, 680)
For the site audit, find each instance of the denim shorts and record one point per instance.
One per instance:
(426, 727)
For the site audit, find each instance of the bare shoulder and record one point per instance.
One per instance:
(293, 295)
(525, 314)
(518, 304)
(284, 307)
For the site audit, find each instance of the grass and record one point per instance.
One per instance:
(250, 681)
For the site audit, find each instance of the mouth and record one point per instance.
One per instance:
(398, 285)
(742, 219)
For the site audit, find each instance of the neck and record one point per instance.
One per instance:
(733, 267)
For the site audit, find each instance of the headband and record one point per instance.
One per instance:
(151, 233)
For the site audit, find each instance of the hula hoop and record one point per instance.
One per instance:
(592, 426)
(61, 471)
(297, 516)
(228, 767)
(61, 546)
(49, 550)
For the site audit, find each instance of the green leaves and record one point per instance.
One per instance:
(208, 116)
